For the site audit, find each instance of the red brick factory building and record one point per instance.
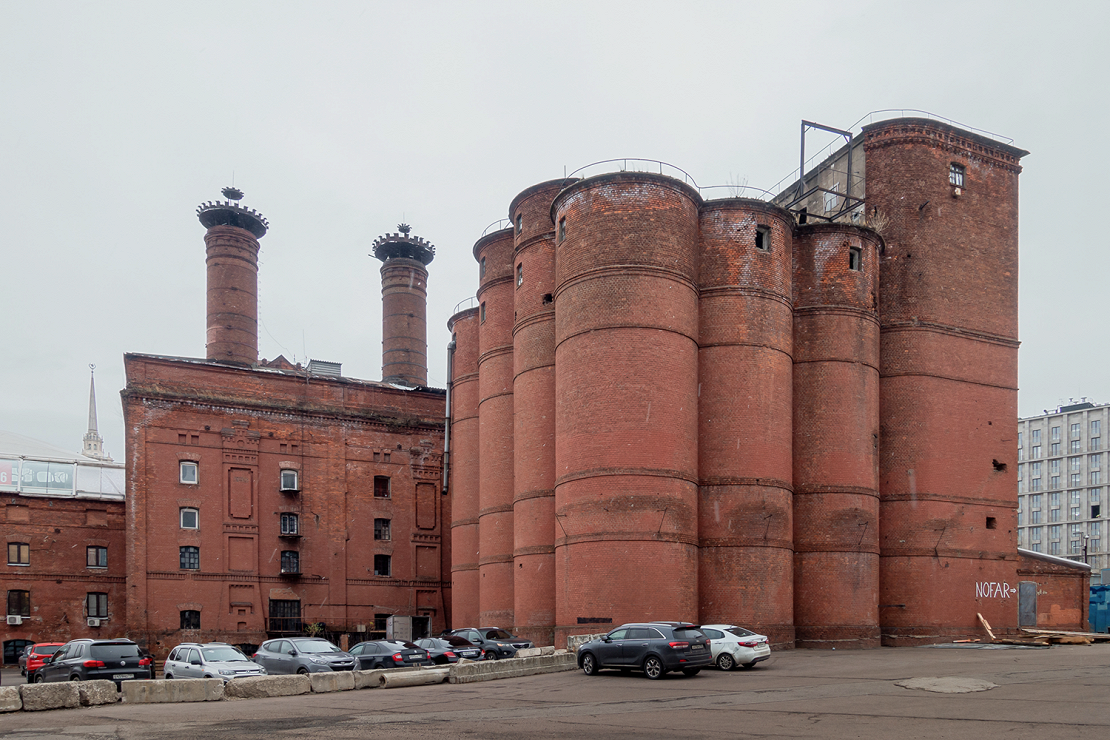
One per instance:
(264, 497)
(796, 415)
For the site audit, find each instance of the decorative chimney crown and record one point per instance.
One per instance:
(388, 246)
(229, 213)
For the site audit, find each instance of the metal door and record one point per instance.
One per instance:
(1027, 604)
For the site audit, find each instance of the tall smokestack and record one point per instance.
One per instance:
(404, 306)
(232, 247)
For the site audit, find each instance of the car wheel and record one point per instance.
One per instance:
(168, 676)
(691, 672)
(725, 662)
(748, 666)
(653, 668)
(302, 671)
(589, 664)
(492, 655)
(74, 678)
(39, 678)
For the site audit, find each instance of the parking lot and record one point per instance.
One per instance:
(1058, 693)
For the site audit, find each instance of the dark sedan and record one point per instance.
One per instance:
(496, 642)
(389, 654)
(449, 649)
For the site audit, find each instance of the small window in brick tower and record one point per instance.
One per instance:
(289, 480)
(855, 257)
(381, 486)
(381, 565)
(519, 222)
(188, 472)
(190, 619)
(381, 529)
(562, 228)
(519, 275)
(956, 175)
(482, 268)
(482, 313)
(290, 561)
(763, 238)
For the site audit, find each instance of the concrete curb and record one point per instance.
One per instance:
(255, 687)
(413, 678)
(323, 683)
(492, 670)
(39, 696)
(10, 700)
(95, 693)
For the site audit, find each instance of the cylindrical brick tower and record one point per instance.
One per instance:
(231, 243)
(534, 424)
(836, 436)
(463, 475)
(744, 405)
(626, 420)
(946, 203)
(494, 253)
(404, 306)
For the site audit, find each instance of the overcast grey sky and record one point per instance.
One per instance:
(341, 119)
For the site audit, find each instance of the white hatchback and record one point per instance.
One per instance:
(733, 646)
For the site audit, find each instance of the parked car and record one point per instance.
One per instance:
(496, 642)
(87, 660)
(302, 655)
(449, 648)
(652, 647)
(735, 646)
(389, 654)
(33, 656)
(209, 660)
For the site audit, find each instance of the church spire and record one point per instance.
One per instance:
(94, 443)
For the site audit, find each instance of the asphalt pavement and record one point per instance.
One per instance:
(900, 693)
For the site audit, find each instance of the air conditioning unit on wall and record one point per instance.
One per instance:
(15, 619)
(93, 622)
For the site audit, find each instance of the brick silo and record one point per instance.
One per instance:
(231, 244)
(404, 306)
(534, 423)
(946, 203)
(463, 470)
(836, 436)
(494, 253)
(626, 401)
(744, 401)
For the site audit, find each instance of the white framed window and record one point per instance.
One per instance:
(1054, 482)
(1075, 498)
(956, 173)
(1096, 477)
(1036, 436)
(1055, 532)
(190, 518)
(290, 524)
(1075, 464)
(1054, 449)
(1035, 501)
(1074, 446)
(1096, 427)
(1034, 534)
(1035, 516)
(1096, 443)
(1021, 472)
(189, 472)
(1094, 462)
(1076, 479)
(1095, 494)
(290, 480)
(1075, 431)
(1053, 548)
(1074, 513)
(1055, 434)
(1053, 515)
(1054, 467)
(1035, 452)
(520, 275)
(1054, 499)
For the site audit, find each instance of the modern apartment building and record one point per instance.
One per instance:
(1062, 482)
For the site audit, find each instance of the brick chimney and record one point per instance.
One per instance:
(404, 306)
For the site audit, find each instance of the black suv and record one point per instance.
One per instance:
(495, 641)
(88, 660)
(653, 647)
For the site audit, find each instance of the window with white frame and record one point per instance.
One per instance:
(1076, 530)
(1036, 469)
(1075, 513)
(1035, 516)
(1094, 462)
(1035, 436)
(1054, 449)
(1034, 534)
(188, 472)
(1035, 501)
(1021, 472)
(290, 480)
(1076, 479)
(1035, 452)
(1076, 498)
(1053, 548)
(1055, 532)
(1075, 446)
(1055, 434)
(1095, 443)
(1054, 482)
(1094, 495)
(1096, 427)
(1075, 464)
(1053, 515)
(1075, 431)
(1096, 477)
(190, 518)
(1054, 467)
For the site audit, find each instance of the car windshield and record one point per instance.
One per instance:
(688, 633)
(498, 635)
(741, 632)
(316, 646)
(225, 654)
(115, 651)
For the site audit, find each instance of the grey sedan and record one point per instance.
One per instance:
(302, 655)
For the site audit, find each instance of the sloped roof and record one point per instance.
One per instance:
(17, 445)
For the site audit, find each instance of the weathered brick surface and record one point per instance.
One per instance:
(495, 429)
(836, 437)
(232, 295)
(1063, 593)
(948, 388)
(464, 477)
(405, 321)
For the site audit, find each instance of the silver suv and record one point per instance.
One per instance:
(210, 660)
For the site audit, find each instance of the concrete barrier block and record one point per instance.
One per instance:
(255, 687)
(39, 696)
(527, 652)
(395, 679)
(323, 683)
(492, 670)
(172, 691)
(372, 679)
(10, 700)
(94, 693)
(547, 650)
(573, 641)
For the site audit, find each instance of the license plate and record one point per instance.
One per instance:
(697, 647)
(122, 676)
